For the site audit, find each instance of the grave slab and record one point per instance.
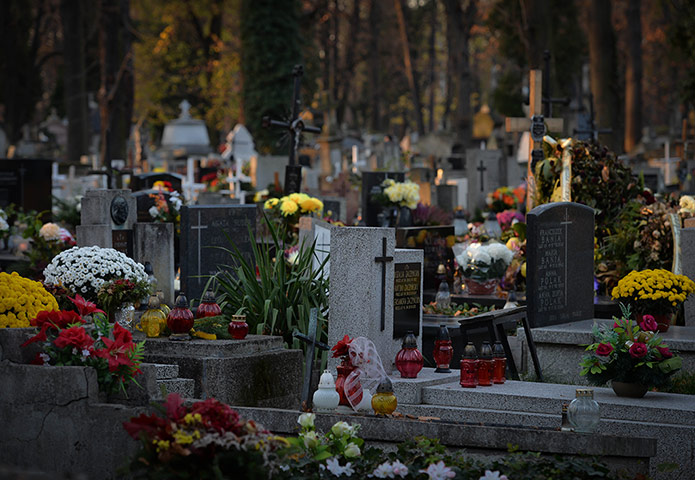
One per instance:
(154, 243)
(688, 269)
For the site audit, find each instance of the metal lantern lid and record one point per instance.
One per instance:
(498, 350)
(327, 380)
(148, 269)
(409, 341)
(153, 302)
(385, 386)
(470, 351)
(486, 350)
(181, 301)
(238, 318)
(441, 269)
(209, 297)
(443, 333)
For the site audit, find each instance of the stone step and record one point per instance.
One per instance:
(160, 371)
(252, 344)
(183, 386)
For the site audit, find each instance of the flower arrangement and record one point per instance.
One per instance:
(214, 181)
(485, 262)
(456, 310)
(119, 292)
(426, 215)
(341, 350)
(506, 198)
(398, 194)
(507, 218)
(108, 348)
(207, 439)
(292, 205)
(21, 299)
(629, 352)
(167, 210)
(84, 270)
(653, 291)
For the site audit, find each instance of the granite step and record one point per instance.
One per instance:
(160, 371)
(183, 386)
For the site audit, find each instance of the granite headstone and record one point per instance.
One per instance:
(560, 264)
(146, 181)
(371, 183)
(436, 242)
(26, 183)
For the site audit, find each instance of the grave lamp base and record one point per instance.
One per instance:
(442, 370)
(179, 337)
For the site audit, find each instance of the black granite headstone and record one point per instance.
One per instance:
(436, 243)
(406, 299)
(370, 180)
(145, 181)
(332, 206)
(205, 227)
(560, 264)
(122, 240)
(144, 202)
(27, 184)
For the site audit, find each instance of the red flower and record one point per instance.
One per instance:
(51, 320)
(209, 177)
(85, 307)
(648, 323)
(638, 350)
(604, 349)
(342, 348)
(665, 352)
(117, 351)
(74, 337)
(217, 415)
(174, 407)
(150, 424)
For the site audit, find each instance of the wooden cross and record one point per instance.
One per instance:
(383, 259)
(481, 168)
(536, 124)
(309, 356)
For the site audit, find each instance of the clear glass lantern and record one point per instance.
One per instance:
(584, 413)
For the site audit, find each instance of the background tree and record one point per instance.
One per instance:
(633, 76)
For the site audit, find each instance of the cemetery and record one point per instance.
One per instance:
(236, 245)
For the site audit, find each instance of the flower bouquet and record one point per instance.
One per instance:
(630, 353)
(484, 265)
(399, 198)
(167, 210)
(108, 348)
(207, 439)
(21, 300)
(289, 208)
(506, 198)
(120, 292)
(655, 292)
(84, 270)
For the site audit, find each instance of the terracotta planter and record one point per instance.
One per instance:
(488, 287)
(631, 390)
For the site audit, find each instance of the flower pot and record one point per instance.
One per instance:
(404, 218)
(344, 370)
(486, 287)
(663, 320)
(124, 315)
(631, 390)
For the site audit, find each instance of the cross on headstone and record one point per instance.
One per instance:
(293, 172)
(566, 223)
(383, 259)
(481, 168)
(536, 124)
(199, 227)
(309, 357)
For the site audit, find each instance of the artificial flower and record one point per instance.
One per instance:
(50, 232)
(74, 337)
(85, 307)
(306, 420)
(385, 470)
(490, 475)
(288, 207)
(665, 352)
(333, 466)
(648, 323)
(352, 450)
(438, 471)
(342, 348)
(342, 428)
(604, 349)
(270, 203)
(311, 439)
(638, 350)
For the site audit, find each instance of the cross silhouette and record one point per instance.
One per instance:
(481, 168)
(383, 259)
(199, 227)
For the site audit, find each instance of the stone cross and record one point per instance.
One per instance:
(536, 123)
(312, 343)
(383, 259)
(295, 127)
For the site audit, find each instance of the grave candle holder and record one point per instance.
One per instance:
(409, 360)
(443, 350)
(238, 328)
(469, 367)
(208, 307)
(180, 319)
(499, 363)
(485, 365)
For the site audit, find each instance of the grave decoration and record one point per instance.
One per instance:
(154, 320)
(22, 299)
(629, 353)
(398, 199)
(657, 293)
(326, 398)
(180, 319)
(409, 360)
(167, 208)
(384, 402)
(484, 266)
(119, 297)
(200, 440)
(359, 372)
(287, 210)
(108, 348)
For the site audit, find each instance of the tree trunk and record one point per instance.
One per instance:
(409, 70)
(633, 76)
(432, 64)
(536, 21)
(75, 78)
(347, 73)
(375, 93)
(604, 76)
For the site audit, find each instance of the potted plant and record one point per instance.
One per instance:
(483, 266)
(401, 197)
(658, 293)
(631, 355)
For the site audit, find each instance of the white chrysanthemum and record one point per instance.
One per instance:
(499, 251)
(687, 204)
(153, 211)
(50, 231)
(3, 225)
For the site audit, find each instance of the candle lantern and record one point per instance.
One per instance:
(180, 319)
(153, 320)
(499, 363)
(326, 398)
(443, 351)
(384, 402)
(238, 328)
(485, 365)
(469, 367)
(208, 307)
(409, 360)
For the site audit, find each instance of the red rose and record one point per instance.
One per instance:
(648, 323)
(604, 349)
(665, 352)
(342, 348)
(638, 350)
(74, 337)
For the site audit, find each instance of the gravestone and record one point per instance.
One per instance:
(264, 168)
(154, 243)
(146, 181)
(337, 206)
(484, 173)
(26, 183)
(688, 269)
(560, 264)
(144, 202)
(447, 197)
(436, 242)
(107, 220)
(204, 228)
(363, 296)
(371, 183)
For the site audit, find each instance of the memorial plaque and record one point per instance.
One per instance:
(203, 229)
(560, 268)
(436, 243)
(537, 128)
(370, 208)
(122, 240)
(407, 299)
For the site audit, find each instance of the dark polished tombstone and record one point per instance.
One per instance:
(370, 180)
(203, 229)
(144, 202)
(146, 181)
(407, 299)
(560, 264)
(27, 183)
(435, 241)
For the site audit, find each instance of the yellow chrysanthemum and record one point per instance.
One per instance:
(270, 203)
(21, 300)
(288, 207)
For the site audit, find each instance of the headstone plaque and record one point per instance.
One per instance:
(560, 268)
(370, 180)
(407, 298)
(203, 229)
(27, 184)
(122, 240)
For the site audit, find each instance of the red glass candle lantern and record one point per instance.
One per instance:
(180, 319)
(469, 367)
(485, 365)
(238, 328)
(409, 360)
(499, 363)
(208, 307)
(443, 351)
